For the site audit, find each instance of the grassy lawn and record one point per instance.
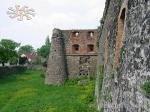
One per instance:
(26, 92)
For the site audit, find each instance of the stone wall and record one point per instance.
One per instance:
(83, 61)
(11, 70)
(73, 53)
(81, 65)
(123, 56)
(57, 68)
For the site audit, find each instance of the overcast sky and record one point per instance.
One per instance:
(50, 14)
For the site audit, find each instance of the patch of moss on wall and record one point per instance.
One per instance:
(102, 110)
(101, 75)
(108, 96)
(146, 87)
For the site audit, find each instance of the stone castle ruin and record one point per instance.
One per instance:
(124, 57)
(123, 63)
(73, 53)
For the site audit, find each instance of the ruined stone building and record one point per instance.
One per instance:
(123, 63)
(73, 53)
(124, 57)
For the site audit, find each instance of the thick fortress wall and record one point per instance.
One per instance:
(56, 70)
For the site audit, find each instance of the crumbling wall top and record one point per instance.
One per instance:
(56, 33)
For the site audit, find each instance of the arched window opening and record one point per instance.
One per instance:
(90, 48)
(119, 39)
(75, 48)
(75, 34)
(90, 34)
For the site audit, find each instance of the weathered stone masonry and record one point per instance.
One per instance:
(56, 71)
(74, 53)
(124, 56)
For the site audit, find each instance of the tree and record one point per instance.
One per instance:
(7, 50)
(13, 60)
(3, 55)
(45, 49)
(47, 42)
(26, 49)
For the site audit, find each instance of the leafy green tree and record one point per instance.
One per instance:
(26, 49)
(3, 55)
(7, 50)
(13, 60)
(47, 42)
(45, 49)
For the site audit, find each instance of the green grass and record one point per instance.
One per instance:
(27, 92)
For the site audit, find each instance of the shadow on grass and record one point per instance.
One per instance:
(9, 78)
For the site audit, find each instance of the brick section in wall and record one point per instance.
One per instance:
(81, 42)
(119, 39)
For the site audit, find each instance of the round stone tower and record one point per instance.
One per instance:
(56, 69)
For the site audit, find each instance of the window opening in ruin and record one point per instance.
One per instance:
(91, 34)
(75, 48)
(90, 48)
(75, 34)
(119, 39)
(83, 74)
